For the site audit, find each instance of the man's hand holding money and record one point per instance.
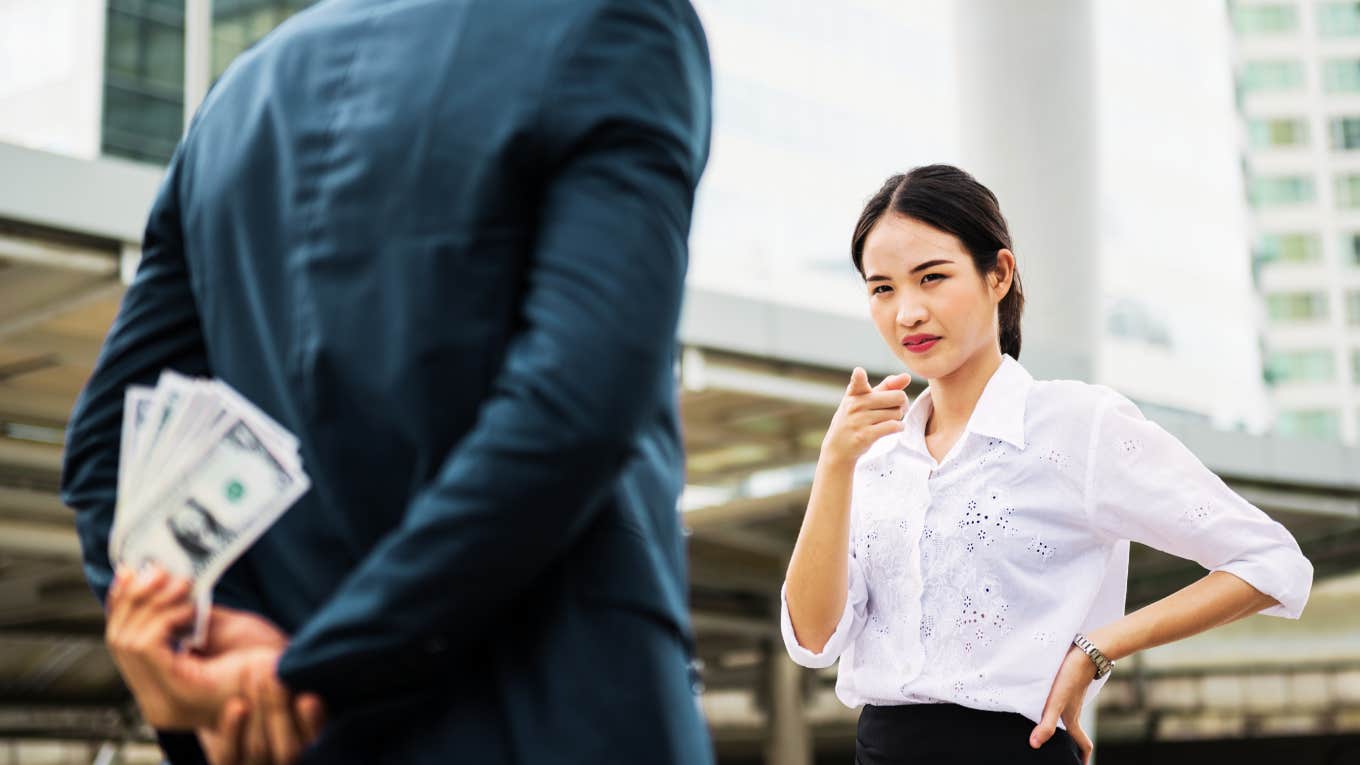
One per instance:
(227, 689)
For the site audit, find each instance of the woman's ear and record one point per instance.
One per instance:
(1003, 274)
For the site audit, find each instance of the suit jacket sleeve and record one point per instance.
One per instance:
(157, 328)
(624, 130)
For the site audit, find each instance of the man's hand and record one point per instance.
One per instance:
(230, 691)
(232, 630)
(267, 727)
(147, 613)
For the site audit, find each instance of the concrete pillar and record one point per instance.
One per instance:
(790, 739)
(1028, 132)
(197, 54)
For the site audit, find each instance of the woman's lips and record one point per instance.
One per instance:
(921, 347)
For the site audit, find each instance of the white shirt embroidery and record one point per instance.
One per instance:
(970, 577)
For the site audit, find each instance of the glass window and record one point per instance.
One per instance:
(1290, 248)
(144, 62)
(172, 7)
(239, 24)
(1272, 75)
(1309, 423)
(1265, 19)
(1350, 248)
(1302, 366)
(1348, 190)
(1282, 190)
(1355, 366)
(1276, 133)
(1341, 75)
(144, 79)
(164, 55)
(1345, 133)
(1296, 306)
(124, 44)
(1353, 307)
(230, 38)
(140, 125)
(1338, 19)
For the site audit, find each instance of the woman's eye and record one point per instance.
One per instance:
(879, 289)
(927, 277)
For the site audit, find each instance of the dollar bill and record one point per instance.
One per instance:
(203, 474)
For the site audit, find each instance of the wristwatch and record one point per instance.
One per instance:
(1103, 665)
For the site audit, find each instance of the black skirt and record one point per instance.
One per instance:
(931, 734)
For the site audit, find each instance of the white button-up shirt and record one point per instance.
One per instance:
(968, 578)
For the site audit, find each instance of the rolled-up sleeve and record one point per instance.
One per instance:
(1144, 485)
(852, 621)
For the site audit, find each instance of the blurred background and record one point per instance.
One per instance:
(1182, 179)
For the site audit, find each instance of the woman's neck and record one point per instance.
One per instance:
(954, 396)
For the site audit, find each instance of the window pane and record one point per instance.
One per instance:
(1345, 132)
(1353, 307)
(1302, 366)
(1350, 249)
(144, 79)
(1348, 190)
(1290, 248)
(1272, 75)
(164, 62)
(1282, 190)
(164, 6)
(123, 45)
(1341, 75)
(1317, 423)
(1338, 19)
(1271, 133)
(1355, 366)
(1297, 306)
(239, 24)
(139, 125)
(1275, 18)
(262, 21)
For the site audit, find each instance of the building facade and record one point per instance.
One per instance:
(1298, 81)
(143, 113)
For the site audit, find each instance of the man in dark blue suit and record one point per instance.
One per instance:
(443, 242)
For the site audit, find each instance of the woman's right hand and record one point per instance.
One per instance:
(865, 415)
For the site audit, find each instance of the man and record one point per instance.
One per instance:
(444, 244)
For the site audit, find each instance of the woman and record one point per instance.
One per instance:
(966, 557)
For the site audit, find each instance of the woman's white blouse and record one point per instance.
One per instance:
(969, 578)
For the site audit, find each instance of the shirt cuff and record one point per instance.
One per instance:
(840, 639)
(1288, 580)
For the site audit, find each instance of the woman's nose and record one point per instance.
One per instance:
(911, 313)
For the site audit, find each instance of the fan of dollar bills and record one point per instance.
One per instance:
(203, 473)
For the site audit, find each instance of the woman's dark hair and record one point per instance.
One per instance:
(951, 200)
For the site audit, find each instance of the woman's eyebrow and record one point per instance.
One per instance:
(931, 264)
(922, 267)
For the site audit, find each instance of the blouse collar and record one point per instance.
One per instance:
(999, 412)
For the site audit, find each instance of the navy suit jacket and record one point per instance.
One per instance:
(444, 243)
